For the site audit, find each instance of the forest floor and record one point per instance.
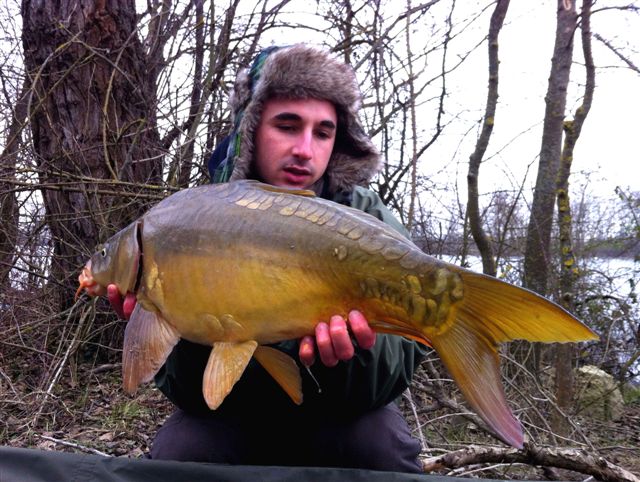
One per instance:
(88, 412)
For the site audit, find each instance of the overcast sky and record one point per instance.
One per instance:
(610, 142)
(609, 148)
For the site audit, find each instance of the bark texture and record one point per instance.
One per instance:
(537, 255)
(92, 120)
(537, 251)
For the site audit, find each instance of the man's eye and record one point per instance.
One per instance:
(285, 127)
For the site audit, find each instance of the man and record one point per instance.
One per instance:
(296, 126)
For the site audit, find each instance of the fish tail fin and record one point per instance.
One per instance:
(508, 312)
(491, 312)
(472, 360)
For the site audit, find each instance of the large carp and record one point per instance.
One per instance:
(241, 265)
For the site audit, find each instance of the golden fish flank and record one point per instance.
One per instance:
(340, 252)
(280, 261)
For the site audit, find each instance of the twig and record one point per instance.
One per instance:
(610, 46)
(106, 367)
(571, 459)
(74, 445)
(409, 398)
(8, 380)
(451, 404)
(73, 345)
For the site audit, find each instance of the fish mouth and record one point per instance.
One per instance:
(88, 284)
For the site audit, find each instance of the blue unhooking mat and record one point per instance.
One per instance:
(30, 465)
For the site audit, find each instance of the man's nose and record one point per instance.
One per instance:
(303, 145)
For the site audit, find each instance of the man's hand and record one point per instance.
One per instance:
(334, 341)
(123, 307)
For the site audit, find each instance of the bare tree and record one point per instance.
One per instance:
(568, 269)
(537, 252)
(92, 117)
(473, 211)
(9, 210)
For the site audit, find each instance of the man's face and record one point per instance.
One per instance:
(294, 141)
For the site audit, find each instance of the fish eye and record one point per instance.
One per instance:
(103, 252)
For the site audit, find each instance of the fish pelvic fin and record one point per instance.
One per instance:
(283, 369)
(509, 313)
(148, 341)
(226, 365)
(473, 362)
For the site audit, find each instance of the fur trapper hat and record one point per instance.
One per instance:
(300, 72)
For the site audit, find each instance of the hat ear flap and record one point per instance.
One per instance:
(240, 95)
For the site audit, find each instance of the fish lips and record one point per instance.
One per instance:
(88, 283)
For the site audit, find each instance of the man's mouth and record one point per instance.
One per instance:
(297, 170)
(296, 174)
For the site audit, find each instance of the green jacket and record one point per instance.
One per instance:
(371, 379)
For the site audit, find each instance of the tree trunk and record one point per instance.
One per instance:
(537, 250)
(93, 123)
(9, 212)
(568, 270)
(473, 206)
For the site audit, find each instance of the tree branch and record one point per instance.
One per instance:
(571, 459)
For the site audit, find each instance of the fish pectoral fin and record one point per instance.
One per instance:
(226, 365)
(148, 340)
(283, 369)
(473, 362)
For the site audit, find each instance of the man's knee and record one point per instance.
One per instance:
(187, 438)
(382, 440)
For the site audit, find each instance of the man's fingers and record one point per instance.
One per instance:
(340, 338)
(325, 345)
(122, 307)
(334, 342)
(113, 295)
(128, 305)
(307, 351)
(361, 330)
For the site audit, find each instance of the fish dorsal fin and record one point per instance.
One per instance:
(283, 190)
(148, 340)
(283, 369)
(226, 365)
